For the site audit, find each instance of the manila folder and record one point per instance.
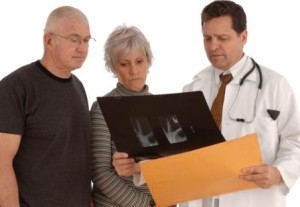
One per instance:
(201, 173)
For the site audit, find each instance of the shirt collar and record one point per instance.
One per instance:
(235, 70)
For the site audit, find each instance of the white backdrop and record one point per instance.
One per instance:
(174, 31)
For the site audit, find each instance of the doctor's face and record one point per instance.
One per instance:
(223, 45)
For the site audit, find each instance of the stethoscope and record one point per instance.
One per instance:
(241, 119)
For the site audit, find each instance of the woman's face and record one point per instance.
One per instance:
(131, 70)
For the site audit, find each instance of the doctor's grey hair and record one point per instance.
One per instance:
(122, 41)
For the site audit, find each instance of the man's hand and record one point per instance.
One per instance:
(264, 176)
(125, 166)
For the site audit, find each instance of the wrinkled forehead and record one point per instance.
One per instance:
(74, 27)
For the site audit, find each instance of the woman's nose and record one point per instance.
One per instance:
(133, 69)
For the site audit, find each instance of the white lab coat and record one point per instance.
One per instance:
(279, 139)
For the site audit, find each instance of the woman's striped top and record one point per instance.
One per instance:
(110, 189)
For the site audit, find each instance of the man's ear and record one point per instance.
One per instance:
(48, 41)
(244, 36)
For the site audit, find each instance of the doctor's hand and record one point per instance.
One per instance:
(264, 176)
(124, 165)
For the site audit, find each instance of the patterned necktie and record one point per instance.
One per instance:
(217, 107)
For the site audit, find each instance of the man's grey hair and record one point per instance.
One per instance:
(58, 15)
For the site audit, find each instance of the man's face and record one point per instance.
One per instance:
(223, 45)
(71, 46)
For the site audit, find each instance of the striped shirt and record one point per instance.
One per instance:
(110, 189)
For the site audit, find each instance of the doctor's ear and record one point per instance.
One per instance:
(244, 36)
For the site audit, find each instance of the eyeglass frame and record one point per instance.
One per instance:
(77, 39)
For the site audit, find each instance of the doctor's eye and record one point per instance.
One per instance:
(206, 38)
(223, 38)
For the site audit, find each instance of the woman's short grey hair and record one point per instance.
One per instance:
(60, 14)
(122, 41)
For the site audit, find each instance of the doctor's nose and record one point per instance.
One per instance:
(213, 44)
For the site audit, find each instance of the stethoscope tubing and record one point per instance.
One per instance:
(255, 65)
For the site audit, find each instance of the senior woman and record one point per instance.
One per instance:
(128, 56)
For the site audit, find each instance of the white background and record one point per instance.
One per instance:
(174, 31)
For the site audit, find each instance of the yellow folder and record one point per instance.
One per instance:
(201, 173)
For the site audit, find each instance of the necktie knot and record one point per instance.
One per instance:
(226, 78)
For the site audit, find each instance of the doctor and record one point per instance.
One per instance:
(257, 100)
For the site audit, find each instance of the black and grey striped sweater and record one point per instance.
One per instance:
(109, 189)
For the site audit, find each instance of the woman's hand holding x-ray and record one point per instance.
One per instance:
(124, 165)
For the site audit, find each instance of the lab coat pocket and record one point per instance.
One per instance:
(266, 129)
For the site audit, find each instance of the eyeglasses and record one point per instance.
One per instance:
(75, 40)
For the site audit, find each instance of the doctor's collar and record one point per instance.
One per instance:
(235, 70)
